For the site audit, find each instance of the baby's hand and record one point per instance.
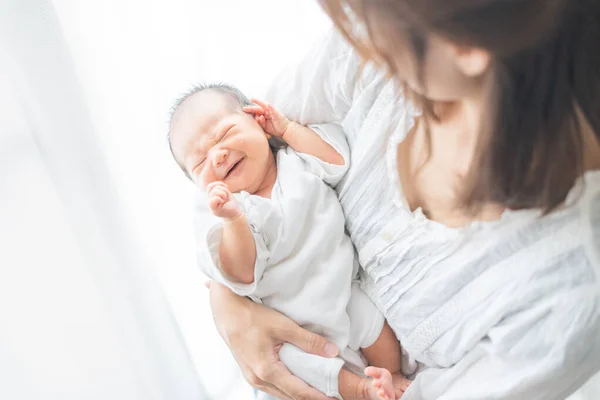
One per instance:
(272, 121)
(221, 202)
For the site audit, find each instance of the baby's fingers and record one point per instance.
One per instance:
(262, 121)
(220, 193)
(218, 184)
(215, 203)
(272, 112)
(254, 109)
(260, 103)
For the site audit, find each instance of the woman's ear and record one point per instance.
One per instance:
(471, 61)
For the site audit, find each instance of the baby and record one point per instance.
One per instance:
(271, 228)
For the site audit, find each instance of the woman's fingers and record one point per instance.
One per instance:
(274, 392)
(308, 341)
(293, 386)
(261, 385)
(254, 334)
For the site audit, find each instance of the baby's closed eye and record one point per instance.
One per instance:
(198, 166)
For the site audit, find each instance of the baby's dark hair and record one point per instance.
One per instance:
(237, 97)
(237, 101)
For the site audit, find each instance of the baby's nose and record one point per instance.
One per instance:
(220, 157)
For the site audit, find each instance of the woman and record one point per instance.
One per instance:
(479, 233)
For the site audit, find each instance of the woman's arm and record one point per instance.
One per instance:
(255, 333)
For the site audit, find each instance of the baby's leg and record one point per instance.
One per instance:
(385, 352)
(385, 357)
(379, 344)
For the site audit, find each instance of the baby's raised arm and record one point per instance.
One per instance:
(238, 250)
(299, 137)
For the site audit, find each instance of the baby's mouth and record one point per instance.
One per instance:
(234, 167)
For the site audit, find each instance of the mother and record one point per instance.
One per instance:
(479, 232)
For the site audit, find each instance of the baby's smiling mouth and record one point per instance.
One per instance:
(234, 167)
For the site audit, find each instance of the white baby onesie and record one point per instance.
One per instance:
(305, 262)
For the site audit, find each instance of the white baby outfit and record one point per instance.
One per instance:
(305, 262)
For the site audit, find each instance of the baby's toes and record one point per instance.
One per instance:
(382, 395)
(373, 372)
(401, 383)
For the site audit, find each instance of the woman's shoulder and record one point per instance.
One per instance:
(565, 242)
(564, 246)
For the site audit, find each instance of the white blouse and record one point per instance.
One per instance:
(508, 309)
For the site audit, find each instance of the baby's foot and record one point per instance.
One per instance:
(386, 386)
(382, 383)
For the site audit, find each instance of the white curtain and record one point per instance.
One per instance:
(81, 313)
(100, 296)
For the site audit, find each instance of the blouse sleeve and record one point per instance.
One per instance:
(321, 88)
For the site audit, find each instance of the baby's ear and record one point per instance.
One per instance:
(268, 136)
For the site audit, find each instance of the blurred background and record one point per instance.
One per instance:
(97, 260)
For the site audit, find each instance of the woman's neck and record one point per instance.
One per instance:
(433, 183)
(591, 146)
(461, 121)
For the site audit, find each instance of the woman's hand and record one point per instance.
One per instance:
(255, 334)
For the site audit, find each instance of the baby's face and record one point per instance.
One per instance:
(212, 143)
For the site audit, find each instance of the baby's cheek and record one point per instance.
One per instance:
(238, 143)
(205, 178)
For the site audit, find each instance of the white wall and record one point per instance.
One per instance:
(133, 58)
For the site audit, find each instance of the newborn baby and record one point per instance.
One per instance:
(271, 228)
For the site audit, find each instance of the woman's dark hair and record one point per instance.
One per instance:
(544, 84)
